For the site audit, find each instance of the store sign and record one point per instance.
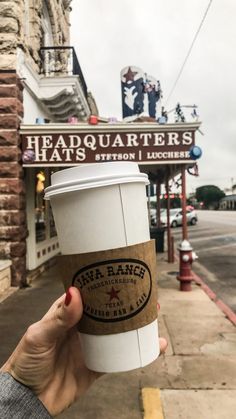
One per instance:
(142, 146)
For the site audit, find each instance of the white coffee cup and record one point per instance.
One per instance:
(98, 207)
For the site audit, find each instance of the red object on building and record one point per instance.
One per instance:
(93, 120)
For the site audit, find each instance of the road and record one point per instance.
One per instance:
(214, 241)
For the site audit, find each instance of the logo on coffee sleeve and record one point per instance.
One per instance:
(114, 290)
(118, 287)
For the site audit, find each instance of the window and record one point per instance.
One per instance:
(40, 207)
(26, 22)
(47, 40)
(44, 221)
(52, 226)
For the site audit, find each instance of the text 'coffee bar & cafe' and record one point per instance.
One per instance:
(162, 151)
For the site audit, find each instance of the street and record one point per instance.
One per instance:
(214, 241)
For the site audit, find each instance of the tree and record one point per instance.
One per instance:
(210, 195)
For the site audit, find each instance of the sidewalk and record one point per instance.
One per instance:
(195, 379)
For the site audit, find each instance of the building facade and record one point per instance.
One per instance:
(228, 203)
(40, 82)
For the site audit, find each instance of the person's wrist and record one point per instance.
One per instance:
(19, 397)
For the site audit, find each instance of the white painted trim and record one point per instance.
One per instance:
(40, 247)
(104, 127)
(46, 88)
(31, 239)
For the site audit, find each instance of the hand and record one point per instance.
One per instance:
(48, 358)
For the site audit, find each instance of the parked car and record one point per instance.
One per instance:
(153, 215)
(176, 217)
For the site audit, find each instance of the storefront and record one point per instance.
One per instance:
(162, 151)
(40, 80)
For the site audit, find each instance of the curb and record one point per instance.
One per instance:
(220, 304)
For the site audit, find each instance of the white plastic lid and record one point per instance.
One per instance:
(94, 175)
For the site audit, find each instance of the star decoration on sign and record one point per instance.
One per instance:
(113, 294)
(129, 76)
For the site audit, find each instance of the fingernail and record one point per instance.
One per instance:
(68, 297)
(158, 306)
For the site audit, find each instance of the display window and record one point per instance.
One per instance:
(42, 243)
(44, 221)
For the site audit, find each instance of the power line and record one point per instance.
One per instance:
(190, 50)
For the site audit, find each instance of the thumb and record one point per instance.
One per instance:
(62, 316)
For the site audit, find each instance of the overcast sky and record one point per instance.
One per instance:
(156, 35)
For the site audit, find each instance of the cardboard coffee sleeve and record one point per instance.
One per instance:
(118, 287)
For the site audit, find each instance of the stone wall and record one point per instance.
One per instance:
(20, 27)
(59, 17)
(10, 16)
(15, 31)
(13, 230)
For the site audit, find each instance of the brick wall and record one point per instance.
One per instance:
(13, 230)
